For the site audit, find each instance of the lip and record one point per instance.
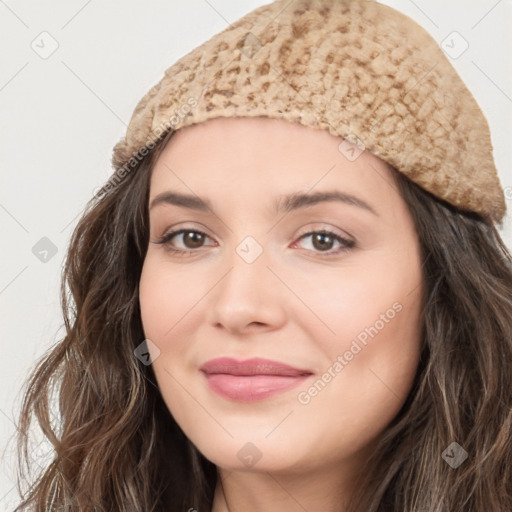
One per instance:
(251, 380)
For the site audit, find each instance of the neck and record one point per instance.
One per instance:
(265, 491)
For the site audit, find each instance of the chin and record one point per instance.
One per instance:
(252, 453)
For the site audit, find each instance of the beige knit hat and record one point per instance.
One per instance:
(359, 69)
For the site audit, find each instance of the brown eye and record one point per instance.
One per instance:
(189, 239)
(192, 239)
(323, 242)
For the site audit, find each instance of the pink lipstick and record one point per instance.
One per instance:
(251, 380)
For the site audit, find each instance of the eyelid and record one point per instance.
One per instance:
(319, 227)
(169, 235)
(347, 242)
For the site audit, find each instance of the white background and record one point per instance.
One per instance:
(62, 115)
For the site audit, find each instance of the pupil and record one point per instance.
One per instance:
(320, 237)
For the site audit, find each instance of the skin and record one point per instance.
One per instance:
(293, 304)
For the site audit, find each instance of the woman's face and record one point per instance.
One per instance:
(264, 282)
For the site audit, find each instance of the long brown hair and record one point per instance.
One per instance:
(118, 448)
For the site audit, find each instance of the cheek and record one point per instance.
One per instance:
(368, 319)
(370, 365)
(166, 303)
(166, 297)
(172, 304)
(374, 313)
(373, 298)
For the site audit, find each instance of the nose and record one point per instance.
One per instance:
(248, 298)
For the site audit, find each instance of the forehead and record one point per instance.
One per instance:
(240, 159)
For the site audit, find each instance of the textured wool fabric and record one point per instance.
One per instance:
(359, 69)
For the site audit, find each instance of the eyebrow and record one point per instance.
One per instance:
(284, 204)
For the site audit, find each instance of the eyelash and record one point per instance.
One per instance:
(188, 252)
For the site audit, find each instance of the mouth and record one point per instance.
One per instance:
(251, 380)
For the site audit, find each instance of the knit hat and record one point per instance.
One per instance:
(359, 69)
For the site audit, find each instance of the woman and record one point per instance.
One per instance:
(291, 294)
